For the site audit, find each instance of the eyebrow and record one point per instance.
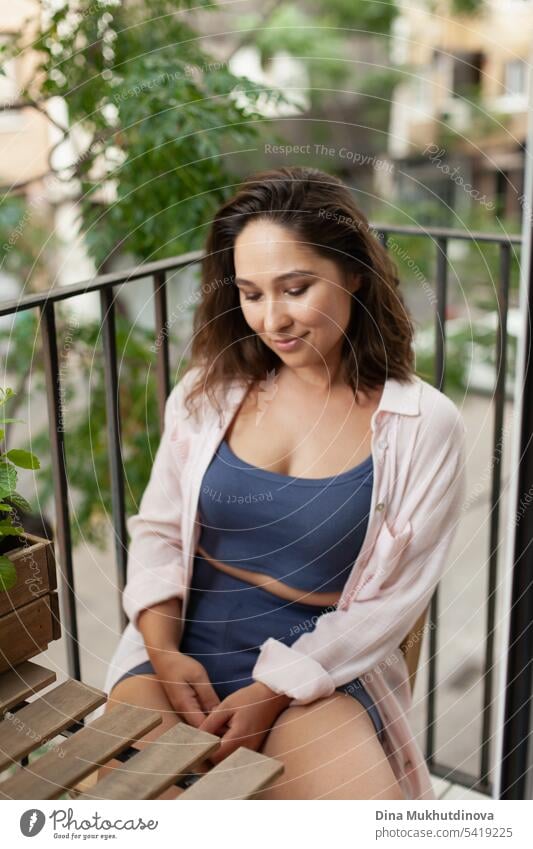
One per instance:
(297, 272)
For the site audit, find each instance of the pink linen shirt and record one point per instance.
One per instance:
(418, 450)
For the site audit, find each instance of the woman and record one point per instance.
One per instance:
(301, 504)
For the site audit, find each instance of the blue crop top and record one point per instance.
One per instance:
(305, 532)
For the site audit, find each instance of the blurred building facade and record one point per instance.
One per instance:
(463, 101)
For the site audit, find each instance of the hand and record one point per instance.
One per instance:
(244, 718)
(186, 684)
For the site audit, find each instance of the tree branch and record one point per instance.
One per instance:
(250, 36)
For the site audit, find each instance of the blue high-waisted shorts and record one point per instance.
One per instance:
(228, 620)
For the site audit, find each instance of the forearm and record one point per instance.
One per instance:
(278, 701)
(160, 626)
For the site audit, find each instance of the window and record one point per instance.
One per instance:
(467, 73)
(515, 77)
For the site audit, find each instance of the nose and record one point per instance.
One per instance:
(276, 317)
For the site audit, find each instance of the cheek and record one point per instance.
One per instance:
(252, 314)
(341, 308)
(327, 313)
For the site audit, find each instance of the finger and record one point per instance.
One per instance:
(231, 741)
(214, 722)
(188, 706)
(206, 694)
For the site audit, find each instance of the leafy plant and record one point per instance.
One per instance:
(153, 118)
(467, 7)
(84, 420)
(10, 499)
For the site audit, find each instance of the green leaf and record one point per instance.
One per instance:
(6, 508)
(8, 479)
(23, 459)
(8, 573)
(20, 502)
(7, 529)
(5, 395)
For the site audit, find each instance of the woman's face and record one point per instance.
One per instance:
(297, 301)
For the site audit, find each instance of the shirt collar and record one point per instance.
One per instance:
(402, 398)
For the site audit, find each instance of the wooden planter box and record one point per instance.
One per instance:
(29, 611)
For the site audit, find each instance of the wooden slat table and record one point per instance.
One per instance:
(145, 774)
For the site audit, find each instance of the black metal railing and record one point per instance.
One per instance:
(157, 271)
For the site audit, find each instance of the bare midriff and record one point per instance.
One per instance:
(272, 585)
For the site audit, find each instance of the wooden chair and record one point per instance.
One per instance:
(411, 645)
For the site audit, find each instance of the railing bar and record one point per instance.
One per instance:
(383, 236)
(432, 679)
(116, 467)
(59, 474)
(162, 344)
(440, 344)
(114, 278)
(440, 327)
(499, 397)
(450, 233)
(458, 776)
(515, 765)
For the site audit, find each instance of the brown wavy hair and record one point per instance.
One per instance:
(320, 211)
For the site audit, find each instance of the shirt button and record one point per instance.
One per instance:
(380, 506)
(382, 443)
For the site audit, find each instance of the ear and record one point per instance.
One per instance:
(354, 282)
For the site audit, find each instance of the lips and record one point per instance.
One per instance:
(288, 338)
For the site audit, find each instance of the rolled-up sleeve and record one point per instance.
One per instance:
(155, 568)
(397, 582)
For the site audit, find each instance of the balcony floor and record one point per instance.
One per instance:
(446, 790)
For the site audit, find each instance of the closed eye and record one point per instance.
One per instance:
(294, 292)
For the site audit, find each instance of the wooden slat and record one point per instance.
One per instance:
(19, 683)
(44, 718)
(147, 774)
(25, 632)
(33, 567)
(55, 772)
(56, 616)
(52, 568)
(238, 776)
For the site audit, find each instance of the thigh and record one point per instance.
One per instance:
(330, 750)
(144, 691)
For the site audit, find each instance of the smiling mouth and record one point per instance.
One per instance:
(287, 339)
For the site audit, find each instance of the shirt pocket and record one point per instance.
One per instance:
(388, 554)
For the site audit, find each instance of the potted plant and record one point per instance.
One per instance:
(29, 610)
